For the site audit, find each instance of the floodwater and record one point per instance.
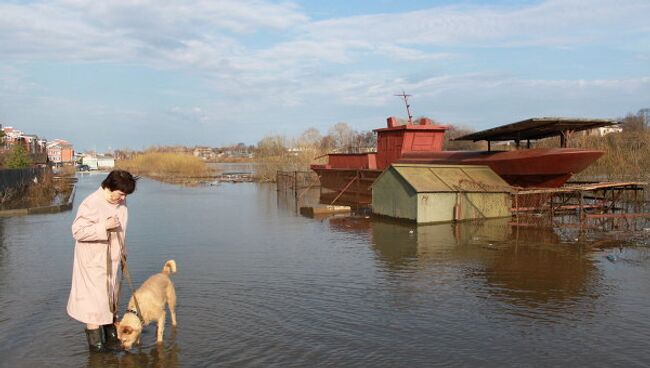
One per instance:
(261, 286)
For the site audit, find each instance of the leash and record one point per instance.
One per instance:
(113, 300)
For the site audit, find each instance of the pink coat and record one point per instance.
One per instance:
(88, 301)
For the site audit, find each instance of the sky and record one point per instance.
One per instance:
(107, 75)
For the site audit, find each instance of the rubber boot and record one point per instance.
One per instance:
(110, 338)
(95, 343)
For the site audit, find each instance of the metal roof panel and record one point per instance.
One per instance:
(536, 128)
(451, 178)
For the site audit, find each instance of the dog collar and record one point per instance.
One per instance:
(136, 314)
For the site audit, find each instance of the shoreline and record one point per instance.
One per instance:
(43, 209)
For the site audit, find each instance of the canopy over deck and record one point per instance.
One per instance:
(536, 128)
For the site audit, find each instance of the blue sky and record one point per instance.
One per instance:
(130, 74)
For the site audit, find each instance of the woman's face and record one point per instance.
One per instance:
(114, 196)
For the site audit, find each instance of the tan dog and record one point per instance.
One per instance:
(151, 296)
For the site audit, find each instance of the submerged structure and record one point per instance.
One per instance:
(349, 176)
(440, 193)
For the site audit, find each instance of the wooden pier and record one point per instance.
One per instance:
(589, 201)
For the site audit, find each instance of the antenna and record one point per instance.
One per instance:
(406, 102)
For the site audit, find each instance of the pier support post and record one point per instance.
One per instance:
(295, 185)
(580, 207)
(552, 209)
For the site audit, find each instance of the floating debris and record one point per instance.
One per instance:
(315, 211)
(612, 258)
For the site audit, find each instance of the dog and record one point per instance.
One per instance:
(152, 296)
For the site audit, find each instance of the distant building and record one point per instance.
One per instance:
(105, 162)
(603, 131)
(36, 147)
(91, 161)
(33, 144)
(98, 161)
(11, 134)
(294, 151)
(15, 136)
(60, 151)
(205, 153)
(238, 153)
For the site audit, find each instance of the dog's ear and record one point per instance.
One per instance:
(127, 330)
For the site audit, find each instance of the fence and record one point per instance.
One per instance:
(18, 178)
(295, 180)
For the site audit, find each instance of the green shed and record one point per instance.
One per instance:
(440, 193)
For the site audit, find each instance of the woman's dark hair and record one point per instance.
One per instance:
(120, 180)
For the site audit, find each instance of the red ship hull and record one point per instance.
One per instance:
(351, 186)
(539, 168)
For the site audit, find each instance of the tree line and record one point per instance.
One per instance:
(339, 138)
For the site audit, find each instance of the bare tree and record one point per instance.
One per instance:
(310, 138)
(342, 135)
(273, 145)
(459, 131)
(367, 141)
(327, 143)
(633, 123)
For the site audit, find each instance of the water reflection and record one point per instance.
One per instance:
(520, 266)
(350, 224)
(157, 356)
(4, 254)
(2, 240)
(291, 201)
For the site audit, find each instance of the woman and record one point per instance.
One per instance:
(99, 231)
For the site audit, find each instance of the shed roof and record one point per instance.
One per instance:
(449, 178)
(536, 128)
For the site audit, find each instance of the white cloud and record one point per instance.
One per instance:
(210, 36)
(264, 58)
(132, 31)
(555, 22)
(189, 115)
(14, 82)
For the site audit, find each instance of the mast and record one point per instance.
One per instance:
(406, 102)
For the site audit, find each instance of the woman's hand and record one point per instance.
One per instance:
(112, 223)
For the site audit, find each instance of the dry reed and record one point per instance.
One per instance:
(166, 165)
(626, 155)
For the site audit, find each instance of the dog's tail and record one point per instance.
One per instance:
(169, 267)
